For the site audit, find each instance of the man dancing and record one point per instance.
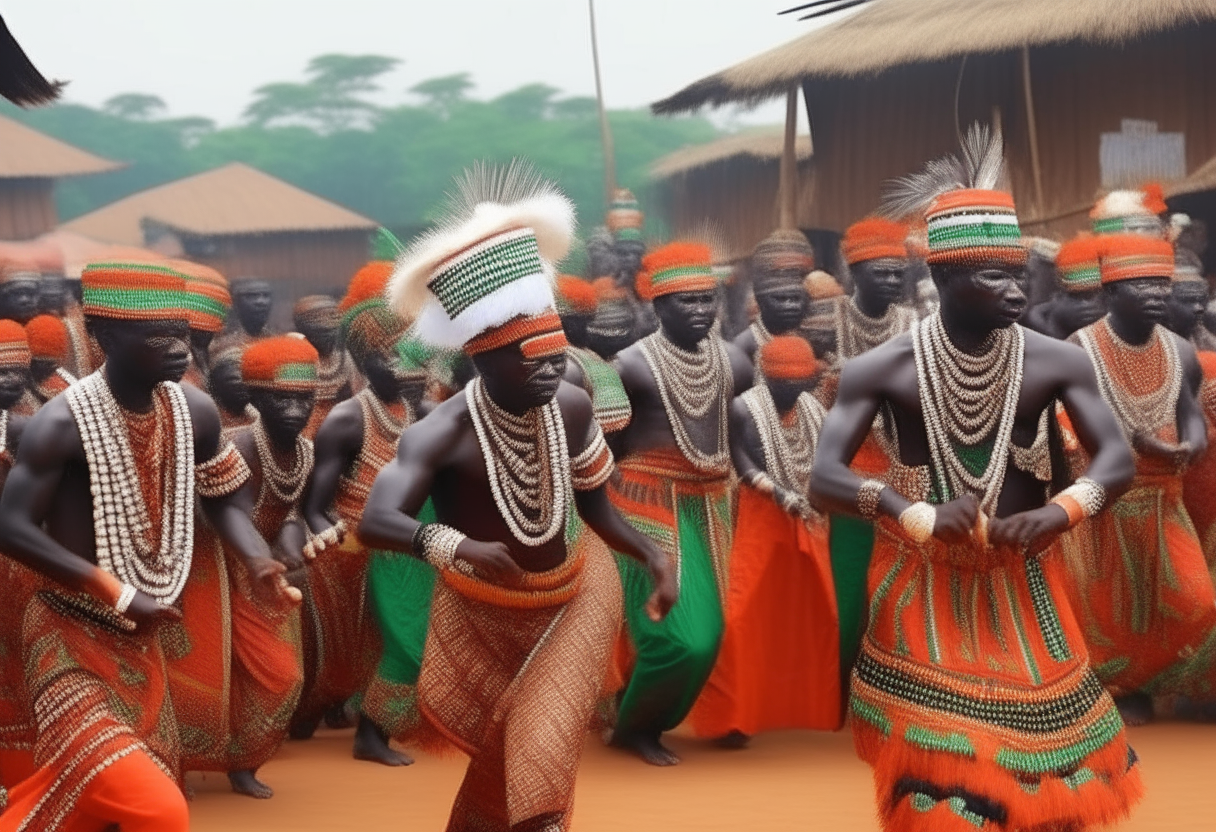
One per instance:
(50, 348)
(1143, 593)
(675, 486)
(527, 604)
(207, 302)
(577, 304)
(779, 267)
(973, 700)
(316, 317)
(101, 503)
(1079, 302)
(253, 301)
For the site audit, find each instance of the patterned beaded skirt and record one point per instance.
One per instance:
(973, 700)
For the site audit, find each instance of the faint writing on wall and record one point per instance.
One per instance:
(1139, 154)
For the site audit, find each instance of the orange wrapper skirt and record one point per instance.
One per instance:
(511, 677)
(779, 664)
(973, 700)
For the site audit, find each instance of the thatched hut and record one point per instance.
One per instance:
(730, 184)
(1091, 94)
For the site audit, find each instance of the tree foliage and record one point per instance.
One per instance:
(391, 163)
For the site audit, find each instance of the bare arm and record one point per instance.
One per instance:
(1192, 428)
(742, 372)
(337, 443)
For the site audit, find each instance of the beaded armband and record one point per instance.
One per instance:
(436, 544)
(223, 474)
(917, 521)
(868, 496)
(760, 481)
(1081, 500)
(592, 468)
(318, 543)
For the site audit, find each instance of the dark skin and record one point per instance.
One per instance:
(253, 300)
(877, 284)
(338, 443)
(1187, 304)
(628, 261)
(783, 303)
(1066, 313)
(53, 295)
(576, 325)
(41, 368)
(687, 319)
(612, 329)
(46, 517)
(227, 388)
(200, 344)
(746, 449)
(19, 297)
(13, 381)
(974, 303)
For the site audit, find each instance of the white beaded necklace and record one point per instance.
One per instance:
(1137, 414)
(389, 424)
(964, 399)
(789, 450)
(528, 464)
(690, 383)
(287, 484)
(3, 431)
(857, 332)
(121, 525)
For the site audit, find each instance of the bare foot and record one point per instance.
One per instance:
(244, 782)
(302, 729)
(648, 747)
(339, 716)
(371, 745)
(1135, 708)
(734, 741)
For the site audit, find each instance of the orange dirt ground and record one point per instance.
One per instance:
(787, 782)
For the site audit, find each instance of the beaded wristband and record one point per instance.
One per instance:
(1081, 500)
(125, 597)
(437, 544)
(332, 536)
(918, 520)
(868, 496)
(760, 481)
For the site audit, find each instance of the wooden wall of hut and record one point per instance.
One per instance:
(737, 196)
(869, 130)
(27, 208)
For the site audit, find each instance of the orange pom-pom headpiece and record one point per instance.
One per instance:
(1078, 263)
(1129, 256)
(368, 283)
(875, 238)
(575, 296)
(14, 347)
(788, 358)
(286, 363)
(676, 267)
(1132, 211)
(48, 338)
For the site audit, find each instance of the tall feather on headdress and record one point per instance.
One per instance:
(981, 165)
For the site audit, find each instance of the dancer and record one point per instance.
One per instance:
(779, 266)
(615, 323)
(95, 676)
(577, 304)
(253, 301)
(357, 439)
(675, 486)
(208, 302)
(973, 700)
(1143, 593)
(779, 666)
(50, 347)
(1079, 301)
(528, 603)
(877, 256)
(228, 389)
(316, 317)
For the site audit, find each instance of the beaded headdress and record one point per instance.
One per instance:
(372, 329)
(788, 358)
(875, 238)
(1129, 256)
(1130, 212)
(133, 292)
(483, 279)
(285, 363)
(316, 310)
(625, 217)
(1078, 264)
(784, 256)
(969, 221)
(676, 267)
(14, 348)
(207, 298)
(48, 338)
(575, 296)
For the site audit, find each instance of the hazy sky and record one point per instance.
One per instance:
(205, 58)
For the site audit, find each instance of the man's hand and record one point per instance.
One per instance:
(666, 592)
(291, 560)
(1029, 531)
(1179, 456)
(269, 580)
(148, 613)
(490, 561)
(956, 520)
(795, 505)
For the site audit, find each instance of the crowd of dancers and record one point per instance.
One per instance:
(473, 503)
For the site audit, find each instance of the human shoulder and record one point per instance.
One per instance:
(740, 366)
(632, 367)
(746, 341)
(577, 412)
(343, 425)
(433, 437)
(51, 435)
(204, 421)
(1066, 359)
(869, 373)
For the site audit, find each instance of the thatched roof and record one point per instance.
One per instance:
(1203, 179)
(26, 153)
(889, 33)
(231, 200)
(765, 144)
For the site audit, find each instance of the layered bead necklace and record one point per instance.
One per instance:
(331, 374)
(1140, 383)
(3, 432)
(691, 385)
(967, 399)
(528, 465)
(287, 484)
(382, 427)
(789, 449)
(857, 332)
(127, 546)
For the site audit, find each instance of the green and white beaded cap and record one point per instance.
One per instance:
(489, 260)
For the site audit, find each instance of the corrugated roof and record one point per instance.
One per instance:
(231, 200)
(24, 152)
(889, 33)
(766, 144)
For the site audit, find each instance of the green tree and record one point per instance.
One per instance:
(136, 106)
(329, 100)
(443, 93)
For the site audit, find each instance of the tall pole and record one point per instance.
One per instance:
(1032, 128)
(605, 131)
(788, 188)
